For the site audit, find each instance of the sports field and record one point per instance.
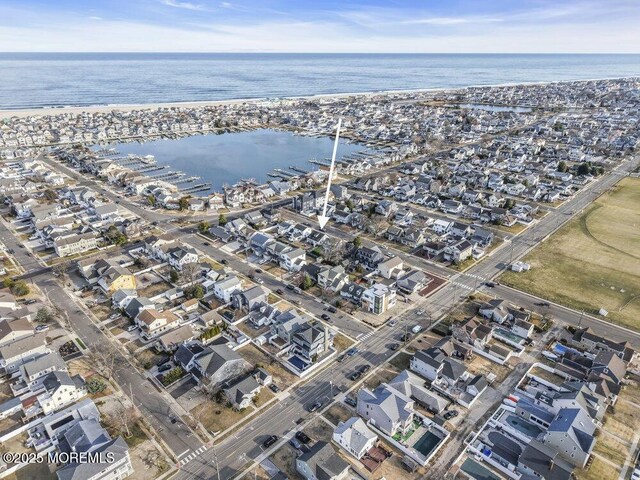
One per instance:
(593, 262)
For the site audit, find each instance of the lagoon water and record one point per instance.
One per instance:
(227, 158)
(81, 79)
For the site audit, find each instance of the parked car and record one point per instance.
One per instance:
(393, 323)
(355, 375)
(365, 368)
(163, 361)
(543, 304)
(351, 401)
(332, 310)
(131, 328)
(31, 301)
(165, 367)
(450, 414)
(341, 358)
(352, 351)
(325, 317)
(315, 407)
(416, 329)
(223, 261)
(394, 346)
(258, 270)
(295, 443)
(490, 284)
(279, 291)
(303, 437)
(42, 328)
(270, 441)
(274, 388)
(206, 244)
(288, 286)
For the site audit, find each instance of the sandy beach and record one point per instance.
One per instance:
(21, 113)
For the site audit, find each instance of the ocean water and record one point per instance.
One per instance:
(82, 79)
(220, 159)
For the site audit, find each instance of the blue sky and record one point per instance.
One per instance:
(440, 26)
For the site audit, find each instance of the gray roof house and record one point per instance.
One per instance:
(538, 460)
(217, 364)
(571, 434)
(242, 393)
(322, 462)
(88, 436)
(355, 437)
(386, 409)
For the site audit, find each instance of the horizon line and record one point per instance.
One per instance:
(309, 53)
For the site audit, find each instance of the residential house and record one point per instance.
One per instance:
(332, 279)
(12, 330)
(412, 281)
(242, 393)
(355, 437)
(386, 409)
(321, 462)
(153, 322)
(378, 298)
(225, 288)
(14, 354)
(391, 268)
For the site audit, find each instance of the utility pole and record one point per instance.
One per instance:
(215, 459)
(580, 321)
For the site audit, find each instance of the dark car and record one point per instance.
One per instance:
(316, 406)
(365, 368)
(173, 420)
(303, 437)
(405, 337)
(450, 414)
(258, 270)
(274, 388)
(223, 261)
(341, 358)
(279, 291)
(351, 401)
(270, 441)
(290, 287)
(206, 244)
(351, 352)
(543, 304)
(355, 375)
(165, 367)
(163, 361)
(394, 346)
(490, 284)
(250, 276)
(295, 443)
(325, 317)
(332, 309)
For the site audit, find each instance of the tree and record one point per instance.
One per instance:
(103, 357)
(141, 262)
(562, 167)
(50, 195)
(183, 203)
(333, 251)
(174, 275)
(8, 283)
(584, 169)
(357, 242)
(151, 200)
(44, 315)
(189, 271)
(222, 220)
(194, 291)
(203, 226)
(115, 236)
(509, 203)
(124, 417)
(349, 204)
(20, 288)
(307, 282)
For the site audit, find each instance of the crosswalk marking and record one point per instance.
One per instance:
(363, 337)
(193, 455)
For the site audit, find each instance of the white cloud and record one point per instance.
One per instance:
(183, 5)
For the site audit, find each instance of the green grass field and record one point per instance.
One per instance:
(593, 262)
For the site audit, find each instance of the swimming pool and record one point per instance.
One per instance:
(427, 443)
(298, 362)
(523, 426)
(477, 471)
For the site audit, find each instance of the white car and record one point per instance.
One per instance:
(416, 329)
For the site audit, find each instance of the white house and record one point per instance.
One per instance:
(355, 437)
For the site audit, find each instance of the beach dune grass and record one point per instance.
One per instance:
(593, 262)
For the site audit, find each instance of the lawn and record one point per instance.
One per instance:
(598, 470)
(337, 413)
(341, 342)
(285, 459)
(281, 377)
(593, 261)
(217, 417)
(612, 449)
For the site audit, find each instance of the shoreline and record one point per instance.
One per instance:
(44, 111)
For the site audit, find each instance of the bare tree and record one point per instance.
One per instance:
(189, 272)
(103, 358)
(333, 251)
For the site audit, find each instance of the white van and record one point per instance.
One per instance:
(416, 329)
